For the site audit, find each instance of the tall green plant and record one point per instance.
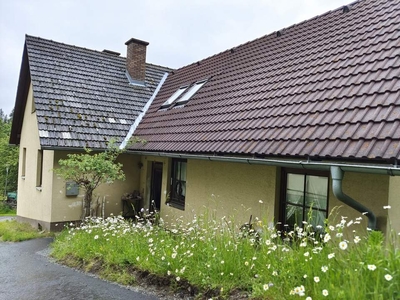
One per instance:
(90, 170)
(8, 157)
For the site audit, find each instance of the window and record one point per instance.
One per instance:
(39, 169)
(193, 89)
(305, 198)
(171, 99)
(23, 163)
(178, 183)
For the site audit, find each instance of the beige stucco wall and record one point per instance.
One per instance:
(220, 189)
(33, 203)
(70, 208)
(234, 189)
(394, 202)
(371, 190)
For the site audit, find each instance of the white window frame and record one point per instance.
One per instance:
(189, 94)
(175, 95)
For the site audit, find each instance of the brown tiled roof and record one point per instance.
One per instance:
(327, 87)
(82, 97)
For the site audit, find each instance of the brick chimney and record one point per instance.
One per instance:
(136, 60)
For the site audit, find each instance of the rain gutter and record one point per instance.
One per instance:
(143, 112)
(392, 170)
(337, 175)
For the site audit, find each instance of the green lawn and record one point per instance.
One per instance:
(13, 231)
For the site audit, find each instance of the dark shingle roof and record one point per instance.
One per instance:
(83, 97)
(328, 87)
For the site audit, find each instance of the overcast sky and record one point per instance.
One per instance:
(179, 31)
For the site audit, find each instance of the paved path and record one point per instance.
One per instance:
(5, 218)
(27, 274)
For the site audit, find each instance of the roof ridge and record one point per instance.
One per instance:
(87, 49)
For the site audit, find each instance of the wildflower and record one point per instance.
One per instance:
(308, 298)
(316, 279)
(274, 273)
(254, 258)
(222, 262)
(265, 287)
(339, 234)
(306, 254)
(343, 245)
(371, 267)
(305, 276)
(331, 255)
(357, 239)
(260, 201)
(327, 237)
(349, 223)
(96, 237)
(267, 242)
(324, 269)
(169, 272)
(246, 263)
(388, 277)
(173, 255)
(325, 293)
(303, 244)
(387, 207)
(178, 278)
(331, 228)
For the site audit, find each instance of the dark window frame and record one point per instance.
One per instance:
(177, 186)
(39, 169)
(306, 208)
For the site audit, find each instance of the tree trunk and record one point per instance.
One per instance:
(87, 200)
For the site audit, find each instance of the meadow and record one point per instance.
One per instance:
(209, 258)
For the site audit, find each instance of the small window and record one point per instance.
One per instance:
(174, 97)
(305, 198)
(23, 162)
(39, 170)
(178, 183)
(193, 89)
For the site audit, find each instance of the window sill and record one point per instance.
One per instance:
(39, 188)
(23, 177)
(175, 205)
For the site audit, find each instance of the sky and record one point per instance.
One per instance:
(180, 32)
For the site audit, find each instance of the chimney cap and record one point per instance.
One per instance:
(136, 41)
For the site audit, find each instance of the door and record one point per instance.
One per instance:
(156, 180)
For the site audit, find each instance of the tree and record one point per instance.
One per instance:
(8, 157)
(90, 170)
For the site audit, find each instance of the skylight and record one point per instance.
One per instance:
(193, 89)
(174, 97)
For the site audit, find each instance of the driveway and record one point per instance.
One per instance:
(26, 273)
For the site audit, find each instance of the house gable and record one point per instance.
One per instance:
(327, 88)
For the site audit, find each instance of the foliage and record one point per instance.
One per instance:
(215, 258)
(13, 231)
(90, 170)
(8, 157)
(6, 209)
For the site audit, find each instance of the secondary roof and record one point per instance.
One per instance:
(82, 97)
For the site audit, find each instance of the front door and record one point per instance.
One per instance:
(156, 180)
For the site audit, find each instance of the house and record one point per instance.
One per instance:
(68, 99)
(296, 123)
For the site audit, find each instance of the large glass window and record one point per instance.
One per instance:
(178, 183)
(305, 198)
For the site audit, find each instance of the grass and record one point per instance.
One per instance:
(6, 210)
(13, 231)
(217, 260)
